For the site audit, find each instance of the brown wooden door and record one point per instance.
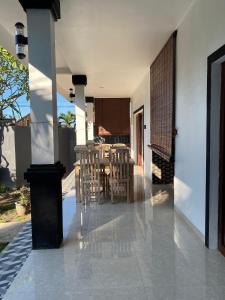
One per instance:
(222, 166)
(139, 138)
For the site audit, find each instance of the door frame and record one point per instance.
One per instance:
(141, 108)
(221, 216)
(213, 150)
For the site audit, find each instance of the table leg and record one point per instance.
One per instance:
(132, 183)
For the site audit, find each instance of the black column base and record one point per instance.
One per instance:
(46, 204)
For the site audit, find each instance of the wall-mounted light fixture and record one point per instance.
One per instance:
(72, 96)
(21, 41)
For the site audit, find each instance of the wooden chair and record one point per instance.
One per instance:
(78, 149)
(119, 180)
(103, 176)
(102, 148)
(99, 148)
(90, 175)
(105, 150)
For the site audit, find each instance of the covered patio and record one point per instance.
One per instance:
(127, 67)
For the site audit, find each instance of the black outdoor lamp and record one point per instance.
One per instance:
(72, 96)
(21, 41)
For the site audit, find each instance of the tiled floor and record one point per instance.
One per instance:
(123, 251)
(13, 257)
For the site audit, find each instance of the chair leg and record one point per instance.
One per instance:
(99, 194)
(128, 192)
(107, 186)
(83, 194)
(103, 185)
(86, 195)
(112, 189)
(87, 192)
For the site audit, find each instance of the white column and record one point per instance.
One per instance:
(42, 76)
(80, 111)
(90, 121)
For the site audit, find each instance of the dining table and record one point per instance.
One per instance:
(104, 164)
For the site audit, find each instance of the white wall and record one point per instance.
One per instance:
(199, 35)
(141, 97)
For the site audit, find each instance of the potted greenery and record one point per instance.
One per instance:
(22, 205)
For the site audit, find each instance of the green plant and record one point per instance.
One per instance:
(2, 246)
(24, 198)
(3, 188)
(13, 83)
(68, 120)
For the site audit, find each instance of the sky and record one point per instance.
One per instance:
(63, 106)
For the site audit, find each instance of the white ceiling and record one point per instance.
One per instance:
(112, 42)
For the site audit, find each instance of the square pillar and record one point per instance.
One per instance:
(80, 81)
(45, 172)
(90, 118)
(42, 77)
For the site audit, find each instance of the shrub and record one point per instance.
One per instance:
(3, 188)
(24, 198)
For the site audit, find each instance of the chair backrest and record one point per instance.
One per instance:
(79, 148)
(119, 163)
(89, 164)
(89, 142)
(100, 149)
(91, 147)
(118, 145)
(105, 150)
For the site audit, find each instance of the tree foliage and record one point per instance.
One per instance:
(13, 83)
(67, 119)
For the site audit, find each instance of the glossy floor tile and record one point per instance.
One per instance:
(142, 250)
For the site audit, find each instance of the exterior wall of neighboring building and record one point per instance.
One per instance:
(67, 143)
(22, 152)
(7, 156)
(16, 153)
(25, 121)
